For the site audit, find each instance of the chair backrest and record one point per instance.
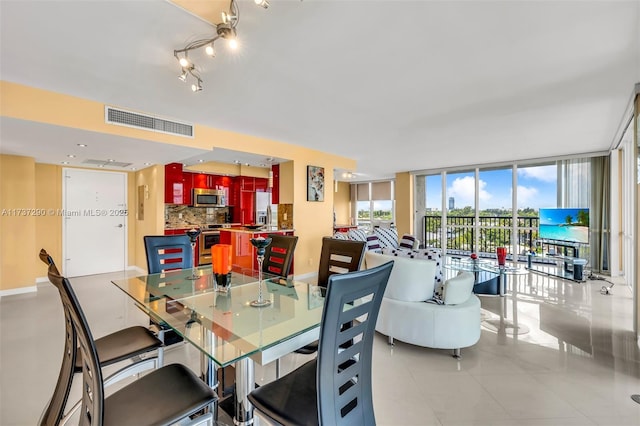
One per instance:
(344, 376)
(54, 412)
(338, 257)
(167, 252)
(92, 410)
(279, 254)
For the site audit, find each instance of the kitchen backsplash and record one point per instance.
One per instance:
(177, 216)
(285, 216)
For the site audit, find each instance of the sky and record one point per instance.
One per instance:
(536, 188)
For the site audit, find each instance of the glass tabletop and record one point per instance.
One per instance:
(485, 265)
(224, 325)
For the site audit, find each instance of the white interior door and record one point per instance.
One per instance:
(94, 228)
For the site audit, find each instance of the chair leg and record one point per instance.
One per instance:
(391, 341)
(456, 353)
(278, 368)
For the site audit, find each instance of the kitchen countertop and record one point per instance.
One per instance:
(257, 231)
(203, 227)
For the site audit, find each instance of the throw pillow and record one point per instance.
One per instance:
(407, 242)
(458, 289)
(388, 236)
(357, 235)
(340, 236)
(373, 244)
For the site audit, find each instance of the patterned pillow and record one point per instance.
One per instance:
(373, 244)
(357, 235)
(431, 254)
(407, 242)
(388, 236)
(436, 255)
(340, 236)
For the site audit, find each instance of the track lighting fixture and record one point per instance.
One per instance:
(225, 30)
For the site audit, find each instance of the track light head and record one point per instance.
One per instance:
(197, 86)
(183, 75)
(262, 3)
(209, 50)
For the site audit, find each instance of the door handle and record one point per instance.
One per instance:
(119, 226)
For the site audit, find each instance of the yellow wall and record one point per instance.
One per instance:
(286, 183)
(342, 203)
(48, 192)
(404, 203)
(153, 223)
(312, 220)
(18, 252)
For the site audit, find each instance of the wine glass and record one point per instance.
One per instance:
(260, 244)
(193, 234)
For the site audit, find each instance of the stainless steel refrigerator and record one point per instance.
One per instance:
(263, 201)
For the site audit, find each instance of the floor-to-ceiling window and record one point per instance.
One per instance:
(460, 211)
(374, 204)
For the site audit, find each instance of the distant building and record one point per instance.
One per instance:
(452, 203)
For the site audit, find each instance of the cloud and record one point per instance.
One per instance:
(463, 190)
(527, 196)
(543, 173)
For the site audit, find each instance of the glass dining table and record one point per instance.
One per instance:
(225, 327)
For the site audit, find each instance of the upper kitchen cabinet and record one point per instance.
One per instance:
(177, 184)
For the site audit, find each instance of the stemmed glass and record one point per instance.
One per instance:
(193, 237)
(260, 244)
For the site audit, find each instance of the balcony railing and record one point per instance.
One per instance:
(494, 231)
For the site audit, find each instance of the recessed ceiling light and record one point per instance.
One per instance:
(263, 165)
(147, 164)
(101, 165)
(246, 164)
(110, 160)
(82, 145)
(236, 161)
(133, 168)
(65, 162)
(71, 156)
(200, 161)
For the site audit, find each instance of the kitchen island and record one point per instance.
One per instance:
(243, 254)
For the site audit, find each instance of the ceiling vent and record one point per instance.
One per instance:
(122, 117)
(106, 163)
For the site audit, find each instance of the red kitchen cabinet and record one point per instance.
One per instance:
(177, 184)
(261, 184)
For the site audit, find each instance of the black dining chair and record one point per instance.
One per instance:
(336, 257)
(279, 254)
(335, 387)
(162, 397)
(165, 253)
(126, 344)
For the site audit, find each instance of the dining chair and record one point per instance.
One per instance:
(161, 397)
(166, 253)
(335, 387)
(128, 343)
(336, 257)
(279, 254)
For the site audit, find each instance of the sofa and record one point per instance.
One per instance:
(410, 313)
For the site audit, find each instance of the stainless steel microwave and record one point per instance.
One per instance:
(209, 198)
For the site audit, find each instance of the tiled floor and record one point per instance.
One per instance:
(552, 352)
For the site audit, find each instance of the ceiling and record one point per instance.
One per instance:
(396, 85)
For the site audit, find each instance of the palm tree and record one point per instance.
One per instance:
(568, 220)
(583, 217)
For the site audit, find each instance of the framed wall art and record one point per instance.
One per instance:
(315, 183)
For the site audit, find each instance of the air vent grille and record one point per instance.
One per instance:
(106, 163)
(122, 117)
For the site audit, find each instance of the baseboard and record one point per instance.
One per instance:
(136, 268)
(304, 277)
(21, 290)
(42, 280)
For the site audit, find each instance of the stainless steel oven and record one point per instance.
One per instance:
(208, 238)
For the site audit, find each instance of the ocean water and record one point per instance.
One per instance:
(578, 234)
